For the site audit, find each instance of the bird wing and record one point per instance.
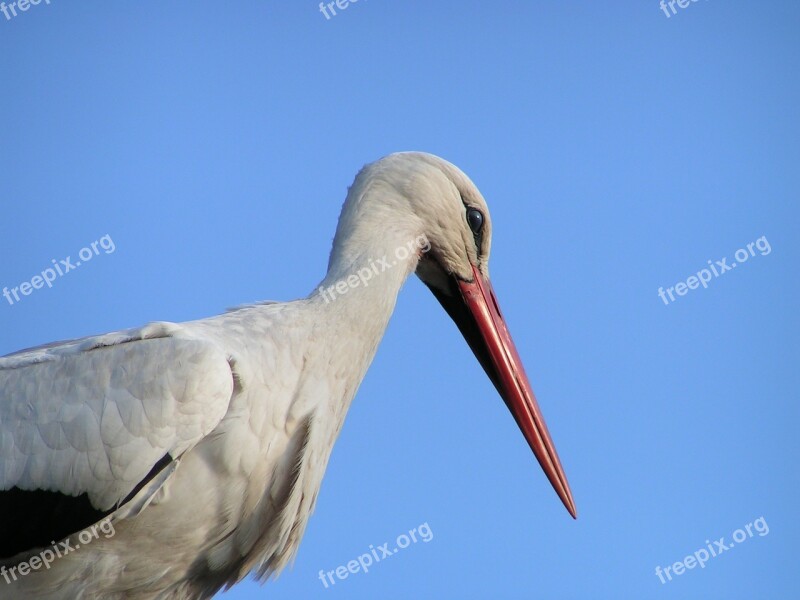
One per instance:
(96, 415)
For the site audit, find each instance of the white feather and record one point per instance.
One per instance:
(248, 404)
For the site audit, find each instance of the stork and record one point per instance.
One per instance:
(171, 460)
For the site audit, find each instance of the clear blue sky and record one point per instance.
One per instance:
(619, 150)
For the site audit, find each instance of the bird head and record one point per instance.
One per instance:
(421, 192)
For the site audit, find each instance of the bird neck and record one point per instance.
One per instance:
(378, 244)
(364, 278)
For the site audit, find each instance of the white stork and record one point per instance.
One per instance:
(202, 445)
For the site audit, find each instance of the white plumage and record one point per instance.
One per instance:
(205, 442)
(95, 415)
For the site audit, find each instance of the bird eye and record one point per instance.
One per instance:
(475, 220)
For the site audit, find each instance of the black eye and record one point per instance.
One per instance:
(475, 220)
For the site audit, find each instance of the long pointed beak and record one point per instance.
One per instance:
(479, 319)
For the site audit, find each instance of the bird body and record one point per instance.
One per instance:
(203, 444)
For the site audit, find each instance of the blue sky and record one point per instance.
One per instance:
(619, 150)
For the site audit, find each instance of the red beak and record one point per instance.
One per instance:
(484, 328)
